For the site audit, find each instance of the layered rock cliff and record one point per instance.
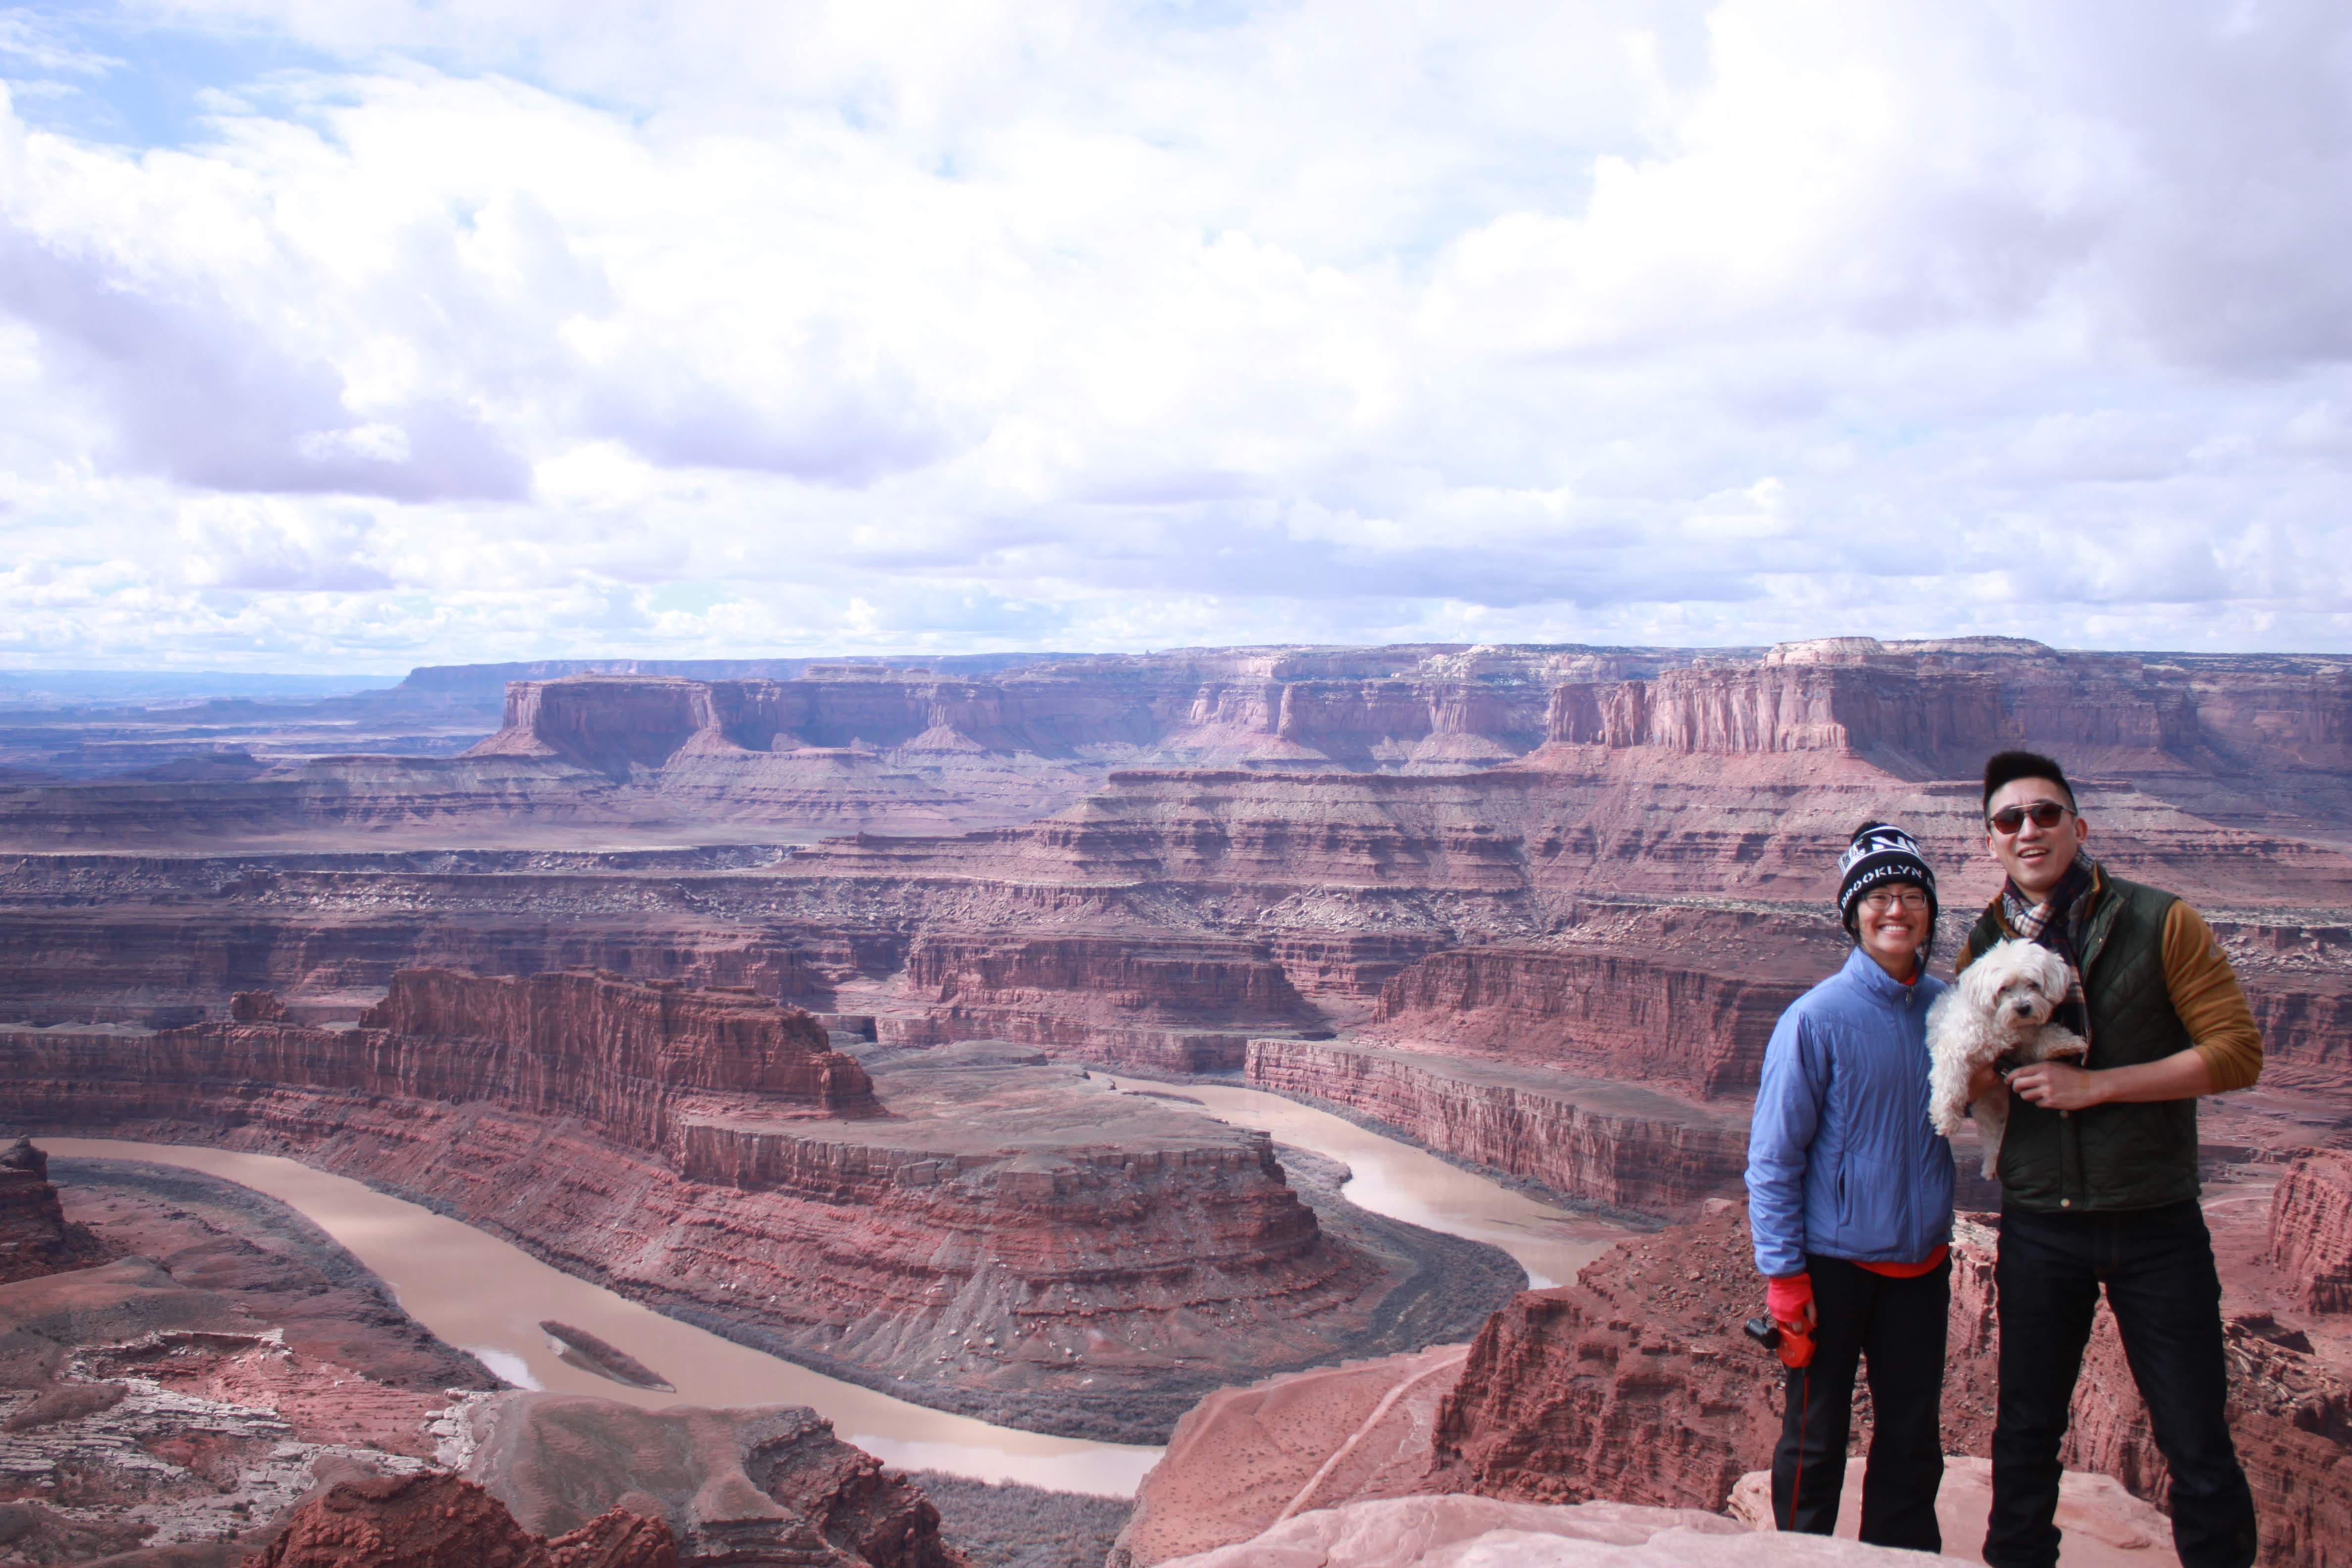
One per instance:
(1920, 709)
(1598, 1013)
(613, 1050)
(1929, 711)
(1633, 1385)
(2311, 1230)
(1584, 1138)
(1161, 1004)
(1427, 711)
(804, 747)
(1903, 719)
(100, 938)
(643, 1064)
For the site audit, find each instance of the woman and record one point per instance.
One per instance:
(1850, 1205)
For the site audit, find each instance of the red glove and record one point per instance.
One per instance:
(1789, 1301)
(1786, 1299)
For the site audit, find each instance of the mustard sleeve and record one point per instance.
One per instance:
(2206, 994)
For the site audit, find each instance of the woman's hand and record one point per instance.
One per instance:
(1789, 1300)
(1983, 1082)
(2056, 1086)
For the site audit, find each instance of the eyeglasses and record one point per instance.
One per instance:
(2045, 813)
(1885, 898)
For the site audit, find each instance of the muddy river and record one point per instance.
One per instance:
(489, 1297)
(1410, 1184)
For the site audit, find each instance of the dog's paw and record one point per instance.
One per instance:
(1992, 1124)
(2056, 1043)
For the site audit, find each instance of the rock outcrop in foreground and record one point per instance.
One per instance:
(2104, 1526)
(1634, 1385)
(141, 1408)
(441, 1521)
(765, 1485)
(1247, 1459)
(1456, 1531)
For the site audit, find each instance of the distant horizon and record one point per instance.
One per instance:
(349, 679)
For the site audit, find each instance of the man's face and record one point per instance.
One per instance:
(2034, 856)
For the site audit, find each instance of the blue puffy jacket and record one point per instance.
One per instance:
(1840, 1160)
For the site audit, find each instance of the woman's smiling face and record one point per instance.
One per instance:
(1890, 923)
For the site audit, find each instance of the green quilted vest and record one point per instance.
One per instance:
(2109, 1156)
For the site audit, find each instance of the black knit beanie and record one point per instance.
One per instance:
(1880, 854)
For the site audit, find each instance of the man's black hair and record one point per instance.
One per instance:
(2008, 767)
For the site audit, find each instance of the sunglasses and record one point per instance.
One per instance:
(2045, 813)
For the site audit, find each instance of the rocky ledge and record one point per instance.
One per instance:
(1633, 1384)
(767, 1484)
(439, 1520)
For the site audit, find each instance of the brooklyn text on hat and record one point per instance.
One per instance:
(1881, 853)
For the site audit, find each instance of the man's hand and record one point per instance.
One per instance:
(1983, 1082)
(2059, 1086)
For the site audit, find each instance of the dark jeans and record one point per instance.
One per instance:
(2157, 1267)
(1898, 1326)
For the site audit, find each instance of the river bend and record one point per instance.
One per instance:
(488, 1296)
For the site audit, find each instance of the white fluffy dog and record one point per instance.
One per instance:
(2001, 1006)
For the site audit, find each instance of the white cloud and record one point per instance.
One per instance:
(515, 329)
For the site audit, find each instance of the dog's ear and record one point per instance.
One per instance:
(2053, 977)
(1978, 982)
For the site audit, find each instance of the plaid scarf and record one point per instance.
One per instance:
(2056, 923)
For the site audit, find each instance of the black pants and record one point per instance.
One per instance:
(2157, 1267)
(1897, 1325)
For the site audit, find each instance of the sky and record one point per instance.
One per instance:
(342, 335)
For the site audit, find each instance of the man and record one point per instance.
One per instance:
(2098, 1175)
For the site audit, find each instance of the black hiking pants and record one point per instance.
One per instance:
(2157, 1267)
(1896, 1327)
